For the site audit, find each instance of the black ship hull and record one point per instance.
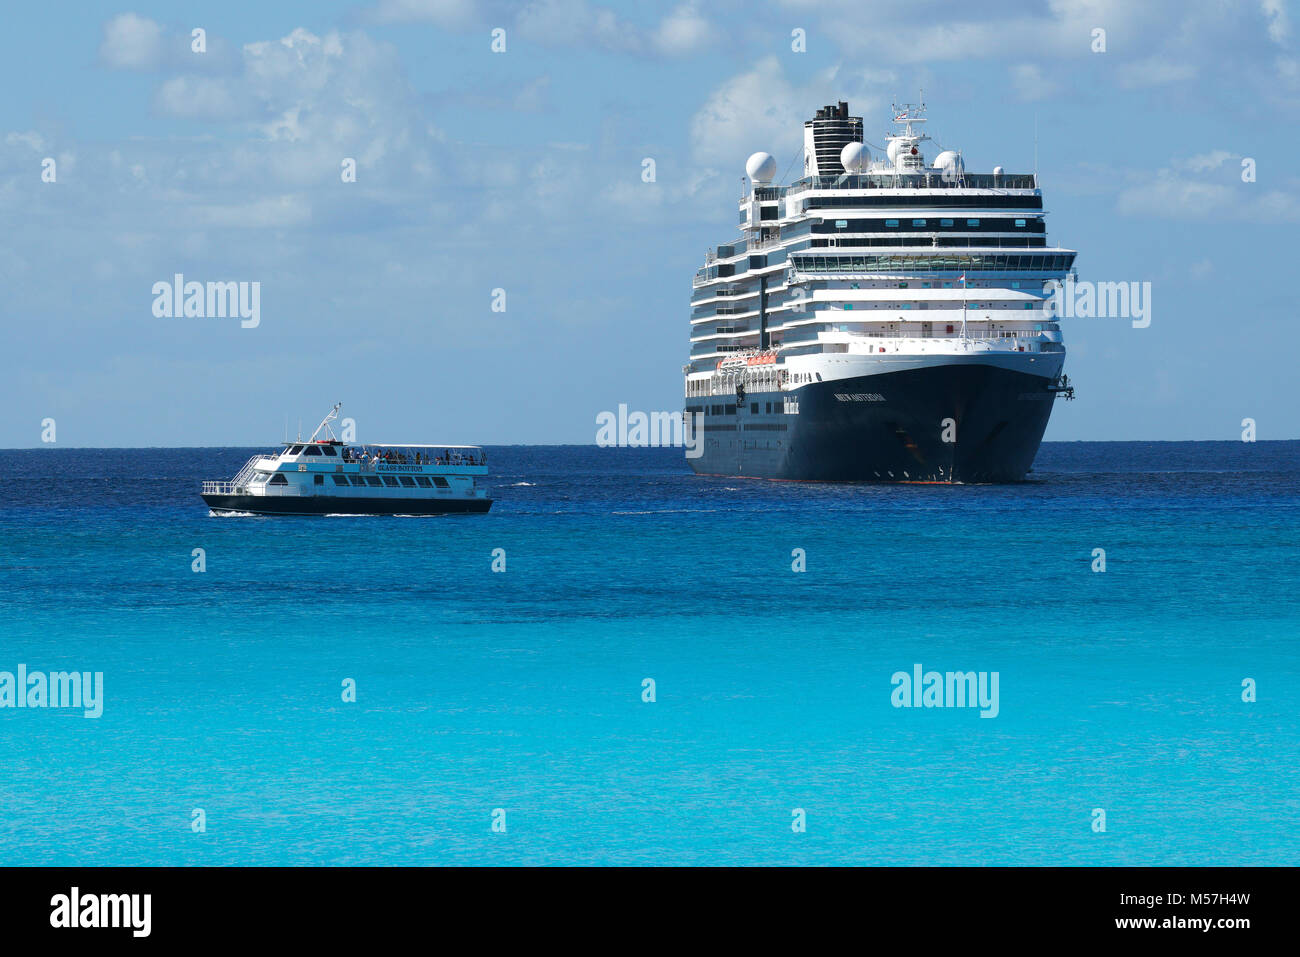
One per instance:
(339, 505)
(952, 423)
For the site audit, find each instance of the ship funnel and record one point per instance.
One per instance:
(825, 136)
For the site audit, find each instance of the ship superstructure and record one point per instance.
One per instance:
(882, 318)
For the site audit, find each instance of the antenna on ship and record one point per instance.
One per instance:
(325, 423)
(1035, 147)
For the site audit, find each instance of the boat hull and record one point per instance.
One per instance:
(958, 423)
(341, 505)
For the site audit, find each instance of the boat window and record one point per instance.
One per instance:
(313, 450)
(259, 478)
(278, 479)
(972, 222)
(319, 480)
(390, 480)
(295, 450)
(408, 481)
(373, 480)
(422, 481)
(358, 479)
(440, 482)
(918, 222)
(329, 450)
(340, 479)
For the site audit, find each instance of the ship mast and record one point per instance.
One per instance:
(324, 423)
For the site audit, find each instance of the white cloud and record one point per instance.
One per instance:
(1031, 84)
(449, 13)
(561, 23)
(1279, 23)
(198, 97)
(531, 97)
(1154, 71)
(271, 212)
(30, 139)
(1156, 43)
(131, 42)
(931, 30)
(577, 23)
(1205, 162)
(1208, 187)
(761, 109)
(683, 31)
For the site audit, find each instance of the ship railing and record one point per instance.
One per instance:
(245, 474)
(372, 464)
(219, 488)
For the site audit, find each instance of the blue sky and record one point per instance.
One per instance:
(522, 170)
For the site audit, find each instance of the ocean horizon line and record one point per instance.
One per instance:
(593, 445)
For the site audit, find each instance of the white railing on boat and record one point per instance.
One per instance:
(246, 473)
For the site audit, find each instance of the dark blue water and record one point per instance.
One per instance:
(522, 691)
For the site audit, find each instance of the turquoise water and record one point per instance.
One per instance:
(522, 690)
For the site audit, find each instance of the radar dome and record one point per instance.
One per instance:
(855, 158)
(761, 167)
(891, 151)
(950, 163)
(997, 171)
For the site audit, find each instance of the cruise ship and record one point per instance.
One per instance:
(885, 317)
(324, 476)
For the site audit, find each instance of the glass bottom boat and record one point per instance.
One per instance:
(324, 476)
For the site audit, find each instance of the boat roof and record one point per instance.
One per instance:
(392, 445)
